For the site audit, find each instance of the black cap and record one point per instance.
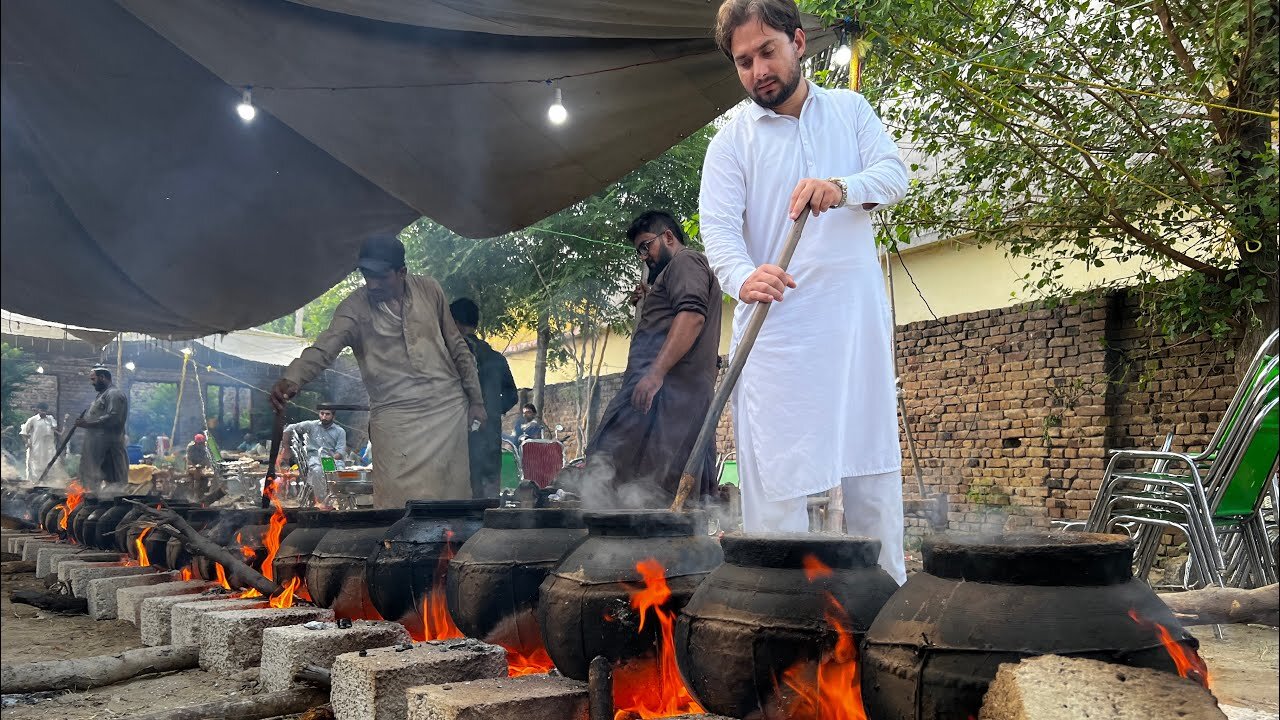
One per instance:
(42, 406)
(381, 253)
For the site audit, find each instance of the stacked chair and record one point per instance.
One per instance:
(1221, 499)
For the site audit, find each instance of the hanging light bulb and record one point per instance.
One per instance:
(186, 351)
(842, 55)
(556, 113)
(40, 369)
(130, 366)
(245, 109)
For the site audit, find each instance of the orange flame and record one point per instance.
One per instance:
(437, 624)
(274, 531)
(1187, 661)
(529, 662)
(75, 495)
(187, 573)
(143, 560)
(284, 598)
(652, 687)
(222, 576)
(834, 692)
(815, 568)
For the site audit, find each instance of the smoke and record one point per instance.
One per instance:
(596, 484)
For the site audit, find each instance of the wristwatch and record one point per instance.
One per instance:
(844, 191)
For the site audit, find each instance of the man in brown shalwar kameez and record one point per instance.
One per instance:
(420, 376)
(647, 432)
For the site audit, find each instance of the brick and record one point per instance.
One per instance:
(286, 649)
(129, 599)
(156, 615)
(518, 698)
(373, 687)
(186, 620)
(101, 592)
(46, 555)
(30, 548)
(79, 577)
(1050, 687)
(64, 564)
(231, 640)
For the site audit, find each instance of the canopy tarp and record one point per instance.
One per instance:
(134, 197)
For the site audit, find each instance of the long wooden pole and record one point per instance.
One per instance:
(693, 467)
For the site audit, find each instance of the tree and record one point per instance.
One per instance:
(1097, 133)
(15, 368)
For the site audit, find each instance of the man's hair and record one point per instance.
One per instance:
(465, 312)
(529, 406)
(102, 371)
(778, 14)
(655, 221)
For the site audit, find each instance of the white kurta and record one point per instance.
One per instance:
(42, 433)
(816, 400)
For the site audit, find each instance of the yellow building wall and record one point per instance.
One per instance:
(954, 277)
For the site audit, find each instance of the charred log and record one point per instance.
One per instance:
(267, 705)
(90, 672)
(315, 675)
(600, 689)
(1220, 606)
(198, 544)
(17, 567)
(51, 601)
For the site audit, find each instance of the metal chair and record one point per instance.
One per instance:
(541, 460)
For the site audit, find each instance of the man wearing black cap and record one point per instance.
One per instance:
(420, 376)
(103, 462)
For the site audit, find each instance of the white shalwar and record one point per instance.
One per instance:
(815, 405)
(42, 435)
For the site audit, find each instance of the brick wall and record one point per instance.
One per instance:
(1013, 410)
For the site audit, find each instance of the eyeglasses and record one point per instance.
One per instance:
(643, 248)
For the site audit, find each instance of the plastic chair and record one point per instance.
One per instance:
(727, 473)
(510, 472)
(541, 460)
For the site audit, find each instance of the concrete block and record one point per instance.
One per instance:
(80, 577)
(286, 649)
(31, 547)
(101, 592)
(231, 640)
(518, 698)
(156, 616)
(15, 543)
(373, 687)
(1050, 687)
(64, 564)
(187, 619)
(129, 599)
(46, 555)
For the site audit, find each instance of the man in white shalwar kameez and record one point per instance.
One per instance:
(815, 406)
(40, 435)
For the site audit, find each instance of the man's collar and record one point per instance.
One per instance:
(756, 111)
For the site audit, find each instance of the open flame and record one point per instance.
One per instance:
(528, 662)
(222, 576)
(187, 573)
(437, 624)
(1187, 661)
(143, 560)
(284, 598)
(833, 689)
(75, 496)
(652, 687)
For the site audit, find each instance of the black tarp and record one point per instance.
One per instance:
(135, 198)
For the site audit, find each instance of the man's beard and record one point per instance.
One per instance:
(786, 88)
(99, 386)
(657, 266)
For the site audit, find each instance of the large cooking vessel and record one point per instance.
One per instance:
(983, 601)
(154, 541)
(492, 588)
(100, 527)
(584, 607)
(221, 531)
(176, 556)
(406, 566)
(768, 609)
(75, 521)
(296, 551)
(336, 567)
(48, 519)
(121, 540)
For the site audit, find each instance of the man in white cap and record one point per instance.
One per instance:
(40, 436)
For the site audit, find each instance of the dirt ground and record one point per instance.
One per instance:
(1243, 665)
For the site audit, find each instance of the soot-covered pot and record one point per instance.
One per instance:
(771, 607)
(336, 566)
(493, 581)
(584, 608)
(986, 600)
(407, 565)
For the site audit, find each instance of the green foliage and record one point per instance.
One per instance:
(1084, 132)
(15, 368)
(151, 410)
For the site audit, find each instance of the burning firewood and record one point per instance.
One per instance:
(90, 672)
(267, 705)
(1214, 606)
(197, 544)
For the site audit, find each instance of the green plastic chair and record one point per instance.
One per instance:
(510, 470)
(729, 473)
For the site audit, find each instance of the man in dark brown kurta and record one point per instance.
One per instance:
(647, 432)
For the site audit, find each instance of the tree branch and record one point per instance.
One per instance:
(1186, 62)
